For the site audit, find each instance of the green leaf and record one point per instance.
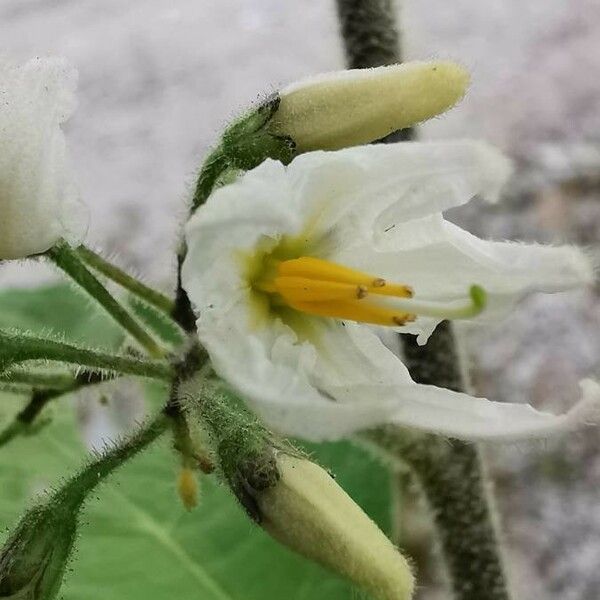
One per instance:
(136, 540)
(59, 309)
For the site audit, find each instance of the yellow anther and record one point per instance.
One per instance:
(393, 289)
(365, 312)
(301, 289)
(324, 270)
(327, 289)
(307, 267)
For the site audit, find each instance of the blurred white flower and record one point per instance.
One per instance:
(38, 200)
(289, 269)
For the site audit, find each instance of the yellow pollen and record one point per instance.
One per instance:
(323, 288)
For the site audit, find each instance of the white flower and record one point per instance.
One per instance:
(38, 200)
(277, 255)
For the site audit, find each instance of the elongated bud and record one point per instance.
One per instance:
(332, 111)
(34, 559)
(293, 499)
(308, 512)
(348, 108)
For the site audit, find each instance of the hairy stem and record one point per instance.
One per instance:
(19, 348)
(37, 379)
(130, 283)
(369, 32)
(85, 481)
(452, 478)
(69, 261)
(57, 385)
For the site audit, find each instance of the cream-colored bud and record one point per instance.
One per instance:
(348, 108)
(308, 512)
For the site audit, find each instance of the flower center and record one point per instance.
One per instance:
(323, 288)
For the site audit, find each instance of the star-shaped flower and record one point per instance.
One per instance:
(294, 272)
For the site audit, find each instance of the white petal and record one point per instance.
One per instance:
(438, 410)
(371, 187)
(276, 375)
(38, 199)
(442, 261)
(462, 416)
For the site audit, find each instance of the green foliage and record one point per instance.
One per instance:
(61, 310)
(136, 540)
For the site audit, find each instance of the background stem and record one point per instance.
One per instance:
(68, 260)
(369, 32)
(453, 480)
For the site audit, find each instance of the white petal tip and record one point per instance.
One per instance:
(496, 169)
(587, 410)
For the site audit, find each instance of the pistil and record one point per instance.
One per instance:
(327, 289)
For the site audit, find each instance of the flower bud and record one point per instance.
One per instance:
(308, 512)
(38, 201)
(349, 108)
(187, 488)
(33, 560)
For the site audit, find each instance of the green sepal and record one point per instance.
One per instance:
(248, 141)
(245, 144)
(244, 448)
(34, 558)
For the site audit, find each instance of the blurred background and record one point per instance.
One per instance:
(160, 78)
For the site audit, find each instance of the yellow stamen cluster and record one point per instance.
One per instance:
(323, 288)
